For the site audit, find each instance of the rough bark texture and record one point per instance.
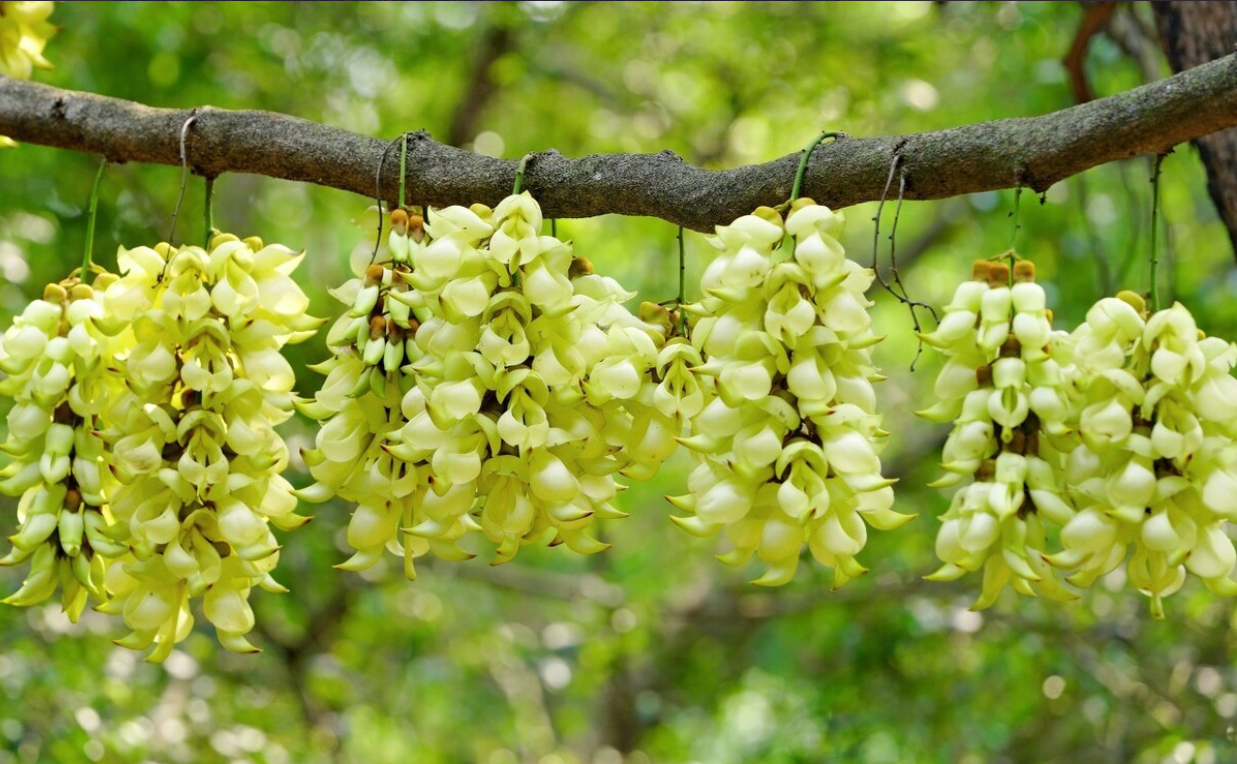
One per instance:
(1194, 33)
(1034, 152)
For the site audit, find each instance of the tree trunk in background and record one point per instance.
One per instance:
(1194, 33)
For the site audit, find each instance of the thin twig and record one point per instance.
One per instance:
(184, 171)
(904, 297)
(1155, 215)
(897, 279)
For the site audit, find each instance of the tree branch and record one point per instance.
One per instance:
(1035, 152)
(1094, 16)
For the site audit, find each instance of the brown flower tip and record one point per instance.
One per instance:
(979, 270)
(1024, 270)
(377, 327)
(375, 272)
(998, 274)
(580, 266)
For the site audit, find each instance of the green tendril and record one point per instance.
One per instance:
(91, 217)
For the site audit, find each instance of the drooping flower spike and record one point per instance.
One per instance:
(787, 435)
(192, 439)
(503, 411)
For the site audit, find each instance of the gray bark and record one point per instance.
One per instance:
(1034, 152)
(1194, 33)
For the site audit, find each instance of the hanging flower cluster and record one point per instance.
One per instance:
(787, 441)
(477, 384)
(1120, 435)
(58, 366)
(1003, 388)
(1155, 467)
(192, 438)
(24, 32)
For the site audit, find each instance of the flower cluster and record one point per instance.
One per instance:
(1004, 388)
(24, 32)
(476, 384)
(58, 360)
(787, 439)
(1118, 436)
(1155, 467)
(192, 440)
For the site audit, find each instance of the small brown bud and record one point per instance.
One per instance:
(377, 327)
(580, 266)
(73, 499)
(399, 220)
(983, 376)
(375, 272)
(416, 228)
(1011, 348)
(998, 275)
(1024, 270)
(979, 270)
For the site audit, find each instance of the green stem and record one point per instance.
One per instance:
(403, 170)
(91, 217)
(209, 211)
(554, 227)
(682, 269)
(682, 284)
(1155, 242)
(803, 160)
(519, 175)
(1013, 240)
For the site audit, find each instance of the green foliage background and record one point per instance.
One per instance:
(652, 652)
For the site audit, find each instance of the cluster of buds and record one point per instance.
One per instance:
(192, 440)
(1004, 388)
(58, 359)
(1155, 466)
(24, 32)
(787, 436)
(360, 401)
(498, 405)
